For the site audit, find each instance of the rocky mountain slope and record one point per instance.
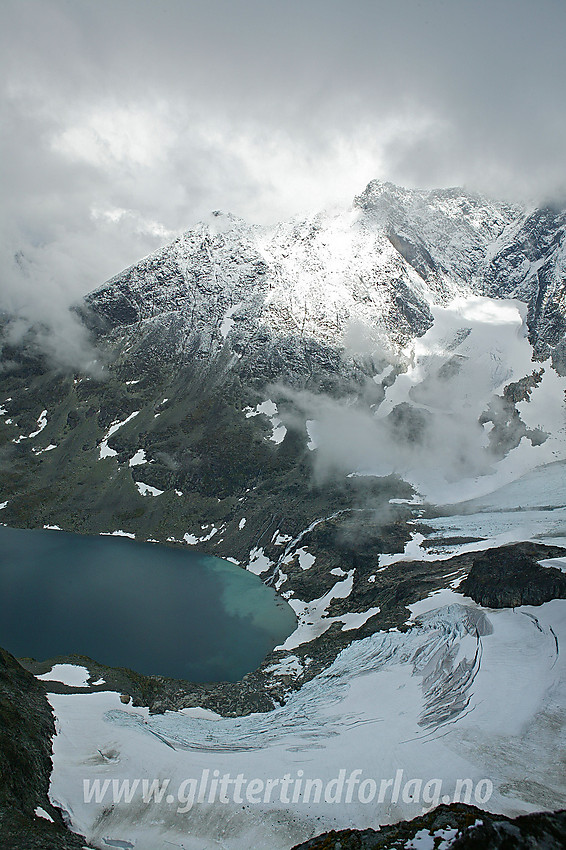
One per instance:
(380, 264)
(306, 286)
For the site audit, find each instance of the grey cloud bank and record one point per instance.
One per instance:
(126, 122)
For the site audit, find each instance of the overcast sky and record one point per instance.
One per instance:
(126, 121)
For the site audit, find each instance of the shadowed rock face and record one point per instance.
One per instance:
(511, 576)
(531, 267)
(26, 730)
(467, 827)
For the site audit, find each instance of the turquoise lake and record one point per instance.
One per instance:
(155, 609)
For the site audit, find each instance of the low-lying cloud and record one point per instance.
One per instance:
(410, 442)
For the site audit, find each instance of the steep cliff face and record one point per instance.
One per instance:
(531, 265)
(380, 264)
(290, 296)
(27, 816)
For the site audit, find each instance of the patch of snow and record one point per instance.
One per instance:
(306, 560)
(118, 533)
(3, 505)
(312, 617)
(242, 523)
(385, 373)
(279, 539)
(422, 840)
(258, 562)
(557, 563)
(41, 422)
(269, 409)
(68, 674)
(105, 450)
(441, 839)
(448, 837)
(415, 500)
(287, 666)
(41, 813)
(312, 432)
(356, 620)
(199, 713)
(52, 527)
(48, 448)
(138, 459)
(411, 552)
(147, 490)
(190, 539)
(228, 321)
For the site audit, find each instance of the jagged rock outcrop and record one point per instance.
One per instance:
(456, 826)
(509, 576)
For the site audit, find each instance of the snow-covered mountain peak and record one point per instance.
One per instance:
(384, 262)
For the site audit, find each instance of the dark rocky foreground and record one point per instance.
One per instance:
(463, 827)
(26, 730)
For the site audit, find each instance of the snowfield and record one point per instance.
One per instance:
(465, 694)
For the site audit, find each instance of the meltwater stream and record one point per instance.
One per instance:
(152, 608)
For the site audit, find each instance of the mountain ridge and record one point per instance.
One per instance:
(381, 264)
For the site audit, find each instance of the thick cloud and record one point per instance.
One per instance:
(125, 121)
